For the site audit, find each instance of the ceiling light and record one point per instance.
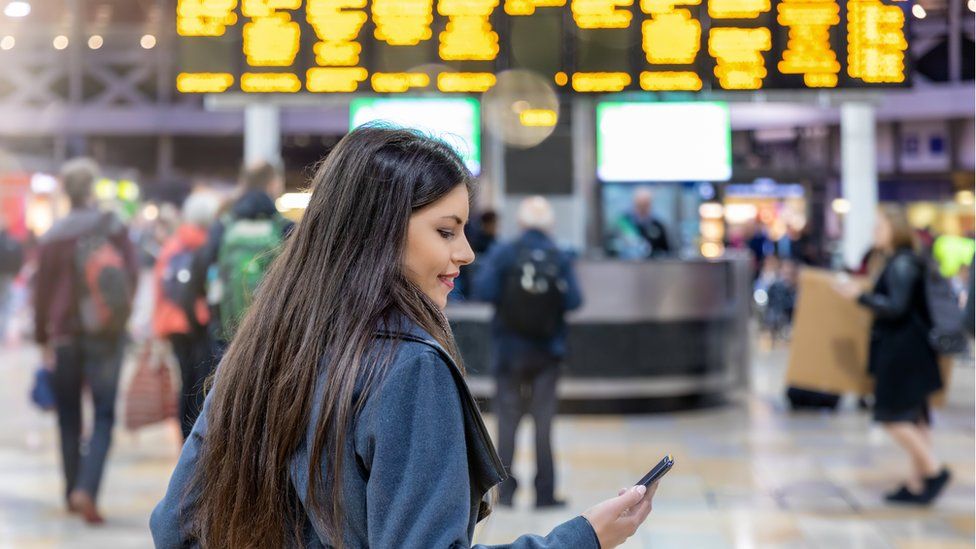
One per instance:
(148, 42)
(7, 43)
(17, 8)
(918, 11)
(60, 42)
(95, 42)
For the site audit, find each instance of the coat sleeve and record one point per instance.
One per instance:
(411, 439)
(574, 295)
(902, 277)
(169, 521)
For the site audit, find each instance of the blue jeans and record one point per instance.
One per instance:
(95, 362)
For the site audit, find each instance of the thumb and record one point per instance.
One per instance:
(627, 500)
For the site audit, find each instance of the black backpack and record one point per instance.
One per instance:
(11, 255)
(533, 300)
(947, 335)
(177, 283)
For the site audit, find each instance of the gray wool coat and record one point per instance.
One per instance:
(418, 463)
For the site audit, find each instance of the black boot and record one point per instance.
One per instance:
(902, 495)
(506, 492)
(935, 485)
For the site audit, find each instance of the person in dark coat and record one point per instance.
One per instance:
(904, 365)
(527, 364)
(339, 416)
(82, 358)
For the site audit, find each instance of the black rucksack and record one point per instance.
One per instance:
(947, 335)
(11, 255)
(177, 283)
(533, 300)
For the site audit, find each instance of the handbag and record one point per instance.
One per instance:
(150, 396)
(42, 392)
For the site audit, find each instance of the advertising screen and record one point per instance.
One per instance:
(456, 120)
(663, 141)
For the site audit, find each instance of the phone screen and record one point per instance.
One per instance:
(658, 471)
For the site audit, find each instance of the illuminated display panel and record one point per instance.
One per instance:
(582, 46)
(456, 120)
(663, 141)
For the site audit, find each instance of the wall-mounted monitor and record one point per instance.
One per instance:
(663, 141)
(456, 120)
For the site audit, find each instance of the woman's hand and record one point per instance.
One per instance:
(848, 289)
(616, 519)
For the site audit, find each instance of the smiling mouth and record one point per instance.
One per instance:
(448, 280)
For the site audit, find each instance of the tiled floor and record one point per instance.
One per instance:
(748, 474)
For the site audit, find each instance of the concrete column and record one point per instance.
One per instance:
(955, 40)
(164, 157)
(859, 178)
(262, 132)
(493, 171)
(586, 200)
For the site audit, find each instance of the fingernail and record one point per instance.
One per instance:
(640, 489)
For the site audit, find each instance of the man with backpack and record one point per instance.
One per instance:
(84, 286)
(532, 284)
(181, 315)
(240, 247)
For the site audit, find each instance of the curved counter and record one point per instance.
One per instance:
(653, 329)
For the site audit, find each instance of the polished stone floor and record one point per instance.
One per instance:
(748, 474)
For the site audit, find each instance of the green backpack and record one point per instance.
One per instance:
(246, 251)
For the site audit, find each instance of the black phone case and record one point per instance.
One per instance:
(658, 471)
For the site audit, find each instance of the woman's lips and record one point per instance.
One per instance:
(447, 281)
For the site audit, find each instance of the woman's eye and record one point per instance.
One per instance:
(446, 234)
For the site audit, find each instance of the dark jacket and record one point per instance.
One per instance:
(969, 313)
(418, 462)
(56, 316)
(250, 205)
(489, 286)
(904, 365)
(652, 231)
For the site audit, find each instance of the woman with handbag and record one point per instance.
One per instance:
(904, 365)
(340, 416)
(181, 316)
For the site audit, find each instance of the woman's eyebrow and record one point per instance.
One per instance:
(457, 219)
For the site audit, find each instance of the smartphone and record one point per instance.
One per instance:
(658, 471)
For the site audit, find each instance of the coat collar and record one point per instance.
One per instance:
(486, 467)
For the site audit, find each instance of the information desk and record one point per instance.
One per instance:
(647, 330)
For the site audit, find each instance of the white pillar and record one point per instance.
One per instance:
(262, 133)
(586, 232)
(859, 179)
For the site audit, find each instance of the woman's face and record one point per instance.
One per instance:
(436, 245)
(882, 232)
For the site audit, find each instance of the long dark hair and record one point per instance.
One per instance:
(338, 279)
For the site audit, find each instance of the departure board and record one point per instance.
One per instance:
(583, 46)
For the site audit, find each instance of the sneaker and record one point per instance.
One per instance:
(83, 504)
(552, 503)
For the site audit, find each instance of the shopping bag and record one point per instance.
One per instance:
(42, 392)
(150, 396)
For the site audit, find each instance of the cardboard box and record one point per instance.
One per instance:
(829, 350)
(831, 337)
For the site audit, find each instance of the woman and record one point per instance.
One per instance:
(902, 361)
(339, 416)
(180, 316)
